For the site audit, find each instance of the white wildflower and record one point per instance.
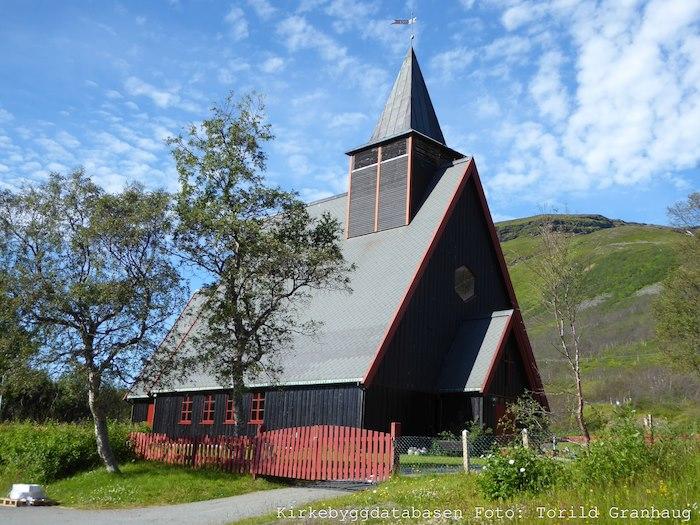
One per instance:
(522, 469)
(510, 462)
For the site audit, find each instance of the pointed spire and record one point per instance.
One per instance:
(409, 106)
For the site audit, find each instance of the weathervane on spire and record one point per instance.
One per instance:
(407, 21)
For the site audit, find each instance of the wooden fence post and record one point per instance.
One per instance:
(526, 439)
(395, 434)
(649, 424)
(465, 450)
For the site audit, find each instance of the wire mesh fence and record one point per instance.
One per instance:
(425, 454)
(446, 453)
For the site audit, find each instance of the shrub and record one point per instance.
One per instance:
(44, 453)
(620, 453)
(517, 470)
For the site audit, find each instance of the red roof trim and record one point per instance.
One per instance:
(515, 322)
(519, 325)
(405, 301)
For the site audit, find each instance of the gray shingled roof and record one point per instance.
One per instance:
(467, 364)
(408, 106)
(353, 324)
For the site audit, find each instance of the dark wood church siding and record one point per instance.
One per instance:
(318, 405)
(510, 379)
(414, 357)
(418, 412)
(139, 410)
(292, 406)
(167, 415)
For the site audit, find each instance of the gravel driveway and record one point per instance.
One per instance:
(212, 512)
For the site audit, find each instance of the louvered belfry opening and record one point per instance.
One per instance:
(390, 175)
(379, 188)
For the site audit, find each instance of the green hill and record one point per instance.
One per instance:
(625, 265)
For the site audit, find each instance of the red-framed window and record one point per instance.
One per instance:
(208, 410)
(230, 418)
(186, 411)
(257, 408)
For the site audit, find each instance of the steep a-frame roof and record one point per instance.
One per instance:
(356, 327)
(352, 325)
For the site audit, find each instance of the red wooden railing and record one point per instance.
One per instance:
(321, 452)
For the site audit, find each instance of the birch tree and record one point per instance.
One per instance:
(90, 274)
(262, 252)
(560, 278)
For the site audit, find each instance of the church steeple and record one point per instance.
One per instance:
(390, 174)
(408, 107)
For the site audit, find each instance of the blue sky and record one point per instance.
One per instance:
(589, 107)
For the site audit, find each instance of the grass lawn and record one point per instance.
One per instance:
(459, 493)
(143, 484)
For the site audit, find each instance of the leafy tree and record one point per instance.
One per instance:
(561, 277)
(525, 412)
(91, 275)
(261, 249)
(28, 394)
(677, 309)
(16, 344)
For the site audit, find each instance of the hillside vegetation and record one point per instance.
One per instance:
(625, 265)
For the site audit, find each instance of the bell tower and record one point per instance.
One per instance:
(390, 174)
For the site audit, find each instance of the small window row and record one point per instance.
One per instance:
(257, 410)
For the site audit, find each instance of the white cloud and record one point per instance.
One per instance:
(237, 23)
(633, 110)
(298, 34)
(228, 72)
(507, 48)
(547, 88)
(272, 65)
(349, 14)
(452, 62)
(5, 116)
(467, 4)
(262, 8)
(488, 106)
(160, 97)
(113, 94)
(347, 120)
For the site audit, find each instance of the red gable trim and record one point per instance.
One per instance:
(405, 301)
(516, 327)
(518, 323)
(529, 359)
(515, 322)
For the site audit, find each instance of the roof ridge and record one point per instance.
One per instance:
(326, 199)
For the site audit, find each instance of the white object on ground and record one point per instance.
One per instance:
(27, 492)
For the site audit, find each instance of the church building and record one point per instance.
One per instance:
(431, 335)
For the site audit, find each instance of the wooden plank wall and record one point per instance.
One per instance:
(289, 407)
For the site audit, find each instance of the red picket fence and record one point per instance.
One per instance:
(233, 454)
(324, 452)
(321, 452)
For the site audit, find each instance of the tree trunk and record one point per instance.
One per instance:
(100, 421)
(579, 409)
(237, 393)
